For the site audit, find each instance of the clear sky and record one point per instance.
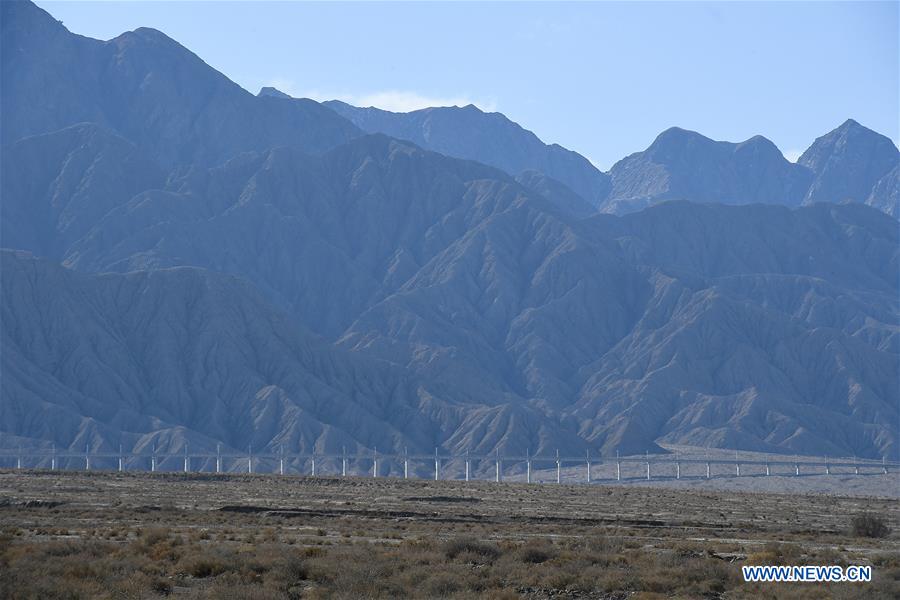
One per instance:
(600, 78)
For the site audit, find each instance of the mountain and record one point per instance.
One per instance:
(777, 328)
(755, 330)
(848, 163)
(273, 93)
(150, 90)
(684, 165)
(56, 186)
(555, 191)
(489, 138)
(885, 195)
(301, 283)
(184, 356)
(147, 88)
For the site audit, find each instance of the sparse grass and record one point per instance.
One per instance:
(92, 550)
(101, 569)
(461, 567)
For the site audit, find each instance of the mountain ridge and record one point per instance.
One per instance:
(457, 276)
(147, 88)
(223, 268)
(679, 165)
(490, 138)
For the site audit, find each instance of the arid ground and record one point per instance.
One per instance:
(137, 535)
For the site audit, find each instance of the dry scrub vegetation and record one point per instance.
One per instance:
(378, 541)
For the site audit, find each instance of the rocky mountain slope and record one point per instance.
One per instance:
(684, 165)
(175, 356)
(675, 323)
(147, 88)
(56, 186)
(489, 138)
(278, 277)
(852, 163)
(885, 194)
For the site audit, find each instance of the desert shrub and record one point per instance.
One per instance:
(313, 552)
(153, 535)
(353, 575)
(775, 553)
(560, 580)
(70, 548)
(885, 560)
(290, 569)
(208, 562)
(504, 594)
(441, 585)
(829, 556)
(602, 544)
(202, 567)
(869, 525)
(458, 546)
(536, 553)
(161, 587)
(232, 588)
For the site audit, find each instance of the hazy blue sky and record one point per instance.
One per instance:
(600, 78)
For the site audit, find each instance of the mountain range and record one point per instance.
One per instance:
(190, 263)
(851, 163)
(149, 89)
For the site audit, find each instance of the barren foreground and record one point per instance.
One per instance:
(136, 535)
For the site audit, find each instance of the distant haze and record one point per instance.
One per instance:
(602, 79)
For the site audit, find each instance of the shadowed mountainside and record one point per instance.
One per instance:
(626, 330)
(183, 355)
(256, 270)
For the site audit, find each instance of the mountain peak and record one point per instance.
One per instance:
(683, 164)
(149, 88)
(759, 143)
(675, 133)
(850, 148)
(850, 136)
(274, 93)
(674, 141)
(674, 136)
(852, 127)
(158, 49)
(757, 139)
(149, 34)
